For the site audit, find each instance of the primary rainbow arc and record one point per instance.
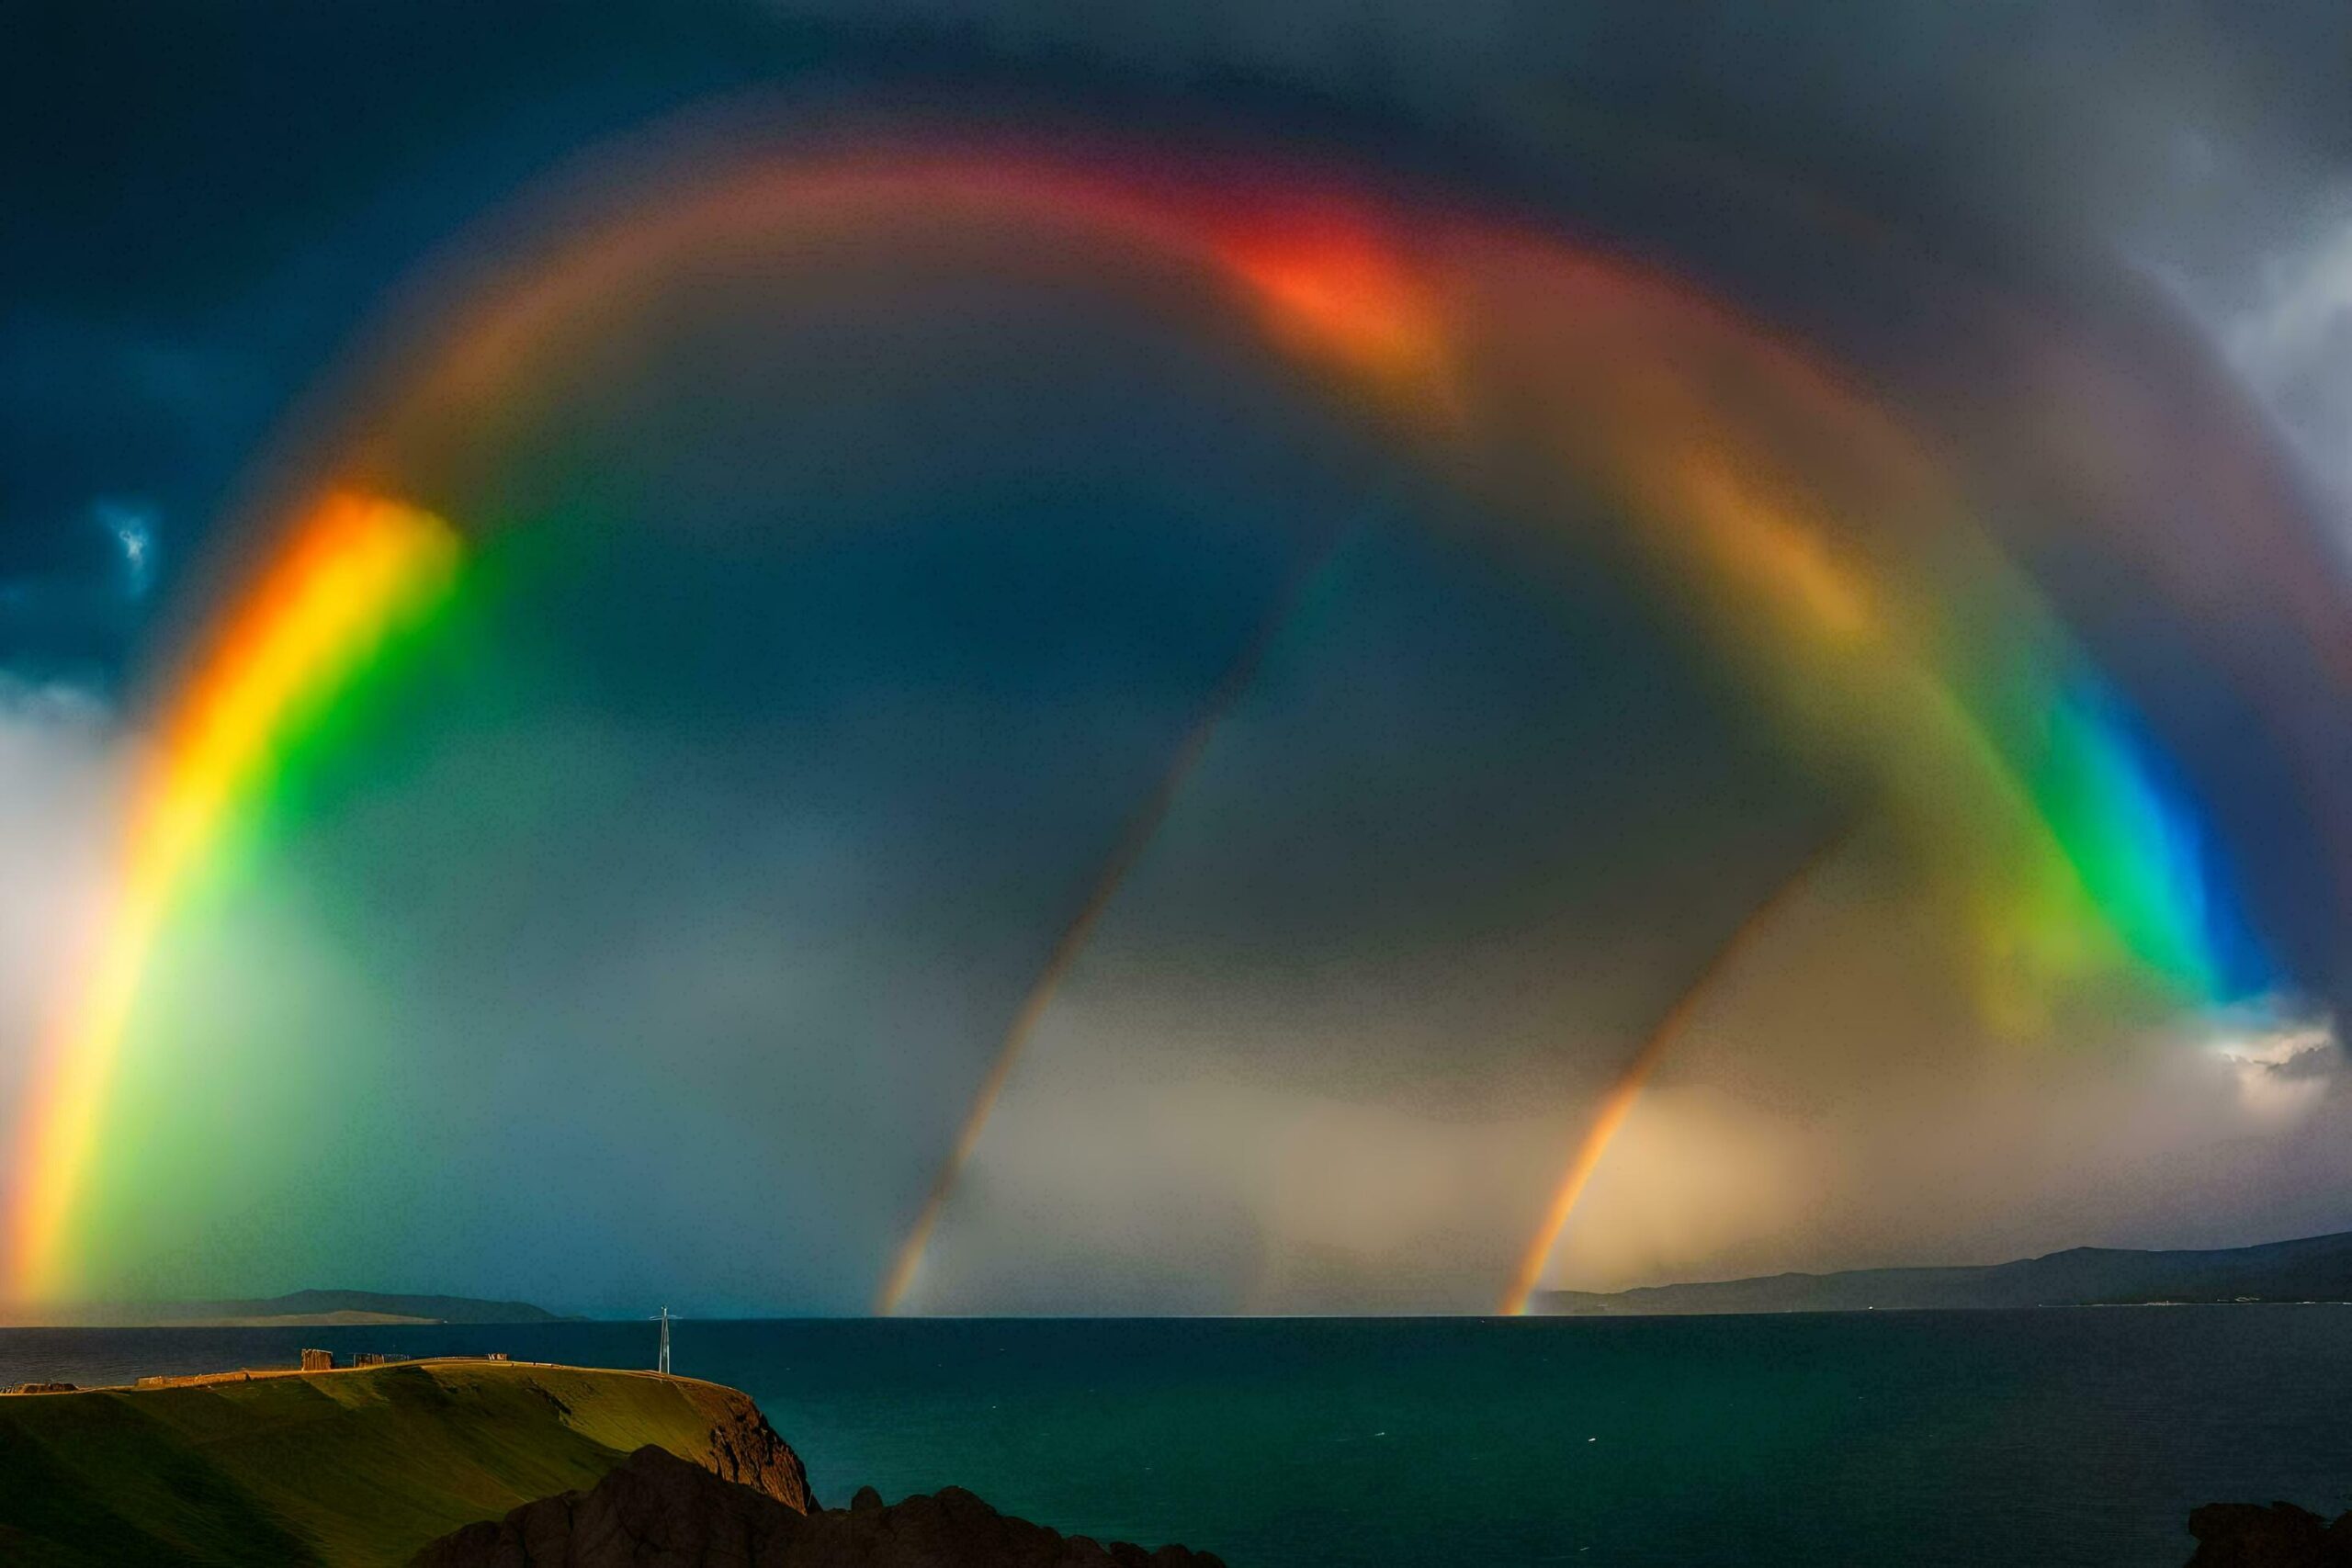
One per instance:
(349, 575)
(2018, 774)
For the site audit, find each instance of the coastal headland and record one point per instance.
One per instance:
(464, 1462)
(362, 1465)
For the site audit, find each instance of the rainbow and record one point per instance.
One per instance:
(1141, 829)
(1810, 534)
(354, 569)
(1618, 1101)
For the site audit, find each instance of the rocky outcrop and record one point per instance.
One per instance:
(2246, 1535)
(745, 1449)
(656, 1511)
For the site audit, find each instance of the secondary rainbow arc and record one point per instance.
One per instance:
(1837, 571)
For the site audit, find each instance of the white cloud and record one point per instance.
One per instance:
(2283, 1069)
(132, 527)
(61, 779)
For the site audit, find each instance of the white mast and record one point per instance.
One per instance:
(663, 1366)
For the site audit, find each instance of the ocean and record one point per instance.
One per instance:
(2052, 1436)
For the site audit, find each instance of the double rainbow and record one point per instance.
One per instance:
(1811, 536)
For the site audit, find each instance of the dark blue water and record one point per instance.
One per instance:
(2047, 1438)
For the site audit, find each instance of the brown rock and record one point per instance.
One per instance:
(656, 1511)
(2246, 1535)
(745, 1449)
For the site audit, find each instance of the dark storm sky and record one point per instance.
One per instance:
(887, 753)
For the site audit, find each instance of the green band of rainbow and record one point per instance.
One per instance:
(1816, 543)
(352, 573)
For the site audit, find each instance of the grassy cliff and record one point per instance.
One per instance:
(349, 1467)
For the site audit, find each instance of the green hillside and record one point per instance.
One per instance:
(349, 1467)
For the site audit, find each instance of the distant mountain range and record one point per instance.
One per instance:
(2316, 1268)
(302, 1309)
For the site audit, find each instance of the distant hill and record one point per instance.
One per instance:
(301, 1309)
(354, 1469)
(2316, 1268)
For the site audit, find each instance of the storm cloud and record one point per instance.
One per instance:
(654, 940)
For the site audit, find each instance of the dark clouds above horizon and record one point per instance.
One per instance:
(205, 203)
(815, 806)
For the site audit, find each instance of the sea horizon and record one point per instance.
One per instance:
(1773, 1439)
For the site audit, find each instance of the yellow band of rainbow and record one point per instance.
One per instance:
(1814, 539)
(352, 572)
